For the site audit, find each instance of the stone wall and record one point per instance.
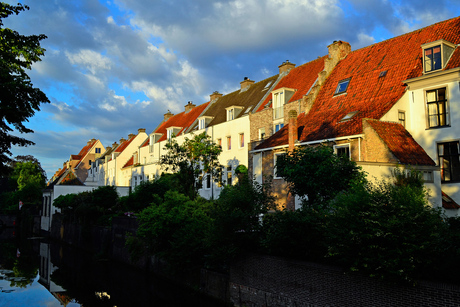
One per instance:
(270, 281)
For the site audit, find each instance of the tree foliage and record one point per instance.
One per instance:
(177, 229)
(317, 174)
(386, 230)
(18, 98)
(190, 158)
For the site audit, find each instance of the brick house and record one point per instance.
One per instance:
(388, 104)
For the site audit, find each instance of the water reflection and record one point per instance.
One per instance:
(36, 271)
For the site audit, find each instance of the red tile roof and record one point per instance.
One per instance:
(125, 144)
(448, 203)
(300, 78)
(401, 143)
(129, 163)
(183, 120)
(368, 92)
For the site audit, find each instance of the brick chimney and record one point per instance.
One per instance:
(167, 116)
(114, 145)
(131, 135)
(246, 83)
(189, 106)
(122, 140)
(88, 143)
(293, 137)
(140, 130)
(338, 50)
(214, 96)
(286, 67)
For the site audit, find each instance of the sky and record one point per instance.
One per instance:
(112, 67)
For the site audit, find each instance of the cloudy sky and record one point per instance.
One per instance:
(112, 67)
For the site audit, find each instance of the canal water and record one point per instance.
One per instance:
(34, 272)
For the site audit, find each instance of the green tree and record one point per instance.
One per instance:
(177, 229)
(386, 230)
(238, 217)
(18, 98)
(191, 158)
(317, 174)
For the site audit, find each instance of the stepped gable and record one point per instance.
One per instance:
(183, 120)
(401, 143)
(246, 98)
(369, 93)
(300, 78)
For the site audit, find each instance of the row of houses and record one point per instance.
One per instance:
(394, 103)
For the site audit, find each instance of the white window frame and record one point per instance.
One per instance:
(262, 133)
(447, 49)
(345, 145)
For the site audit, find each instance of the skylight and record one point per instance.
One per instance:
(383, 73)
(342, 87)
(348, 116)
(267, 86)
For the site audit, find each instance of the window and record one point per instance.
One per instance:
(169, 134)
(276, 175)
(436, 55)
(278, 127)
(432, 58)
(229, 175)
(241, 140)
(342, 150)
(402, 118)
(342, 87)
(201, 124)
(262, 133)
(449, 161)
(220, 177)
(208, 180)
(427, 176)
(348, 116)
(98, 150)
(230, 114)
(278, 105)
(229, 142)
(219, 142)
(437, 108)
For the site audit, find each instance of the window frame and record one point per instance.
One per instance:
(241, 140)
(449, 158)
(340, 90)
(446, 49)
(229, 142)
(439, 115)
(402, 121)
(275, 158)
(342, 146)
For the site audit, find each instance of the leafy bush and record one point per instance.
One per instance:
(387, 231)
(177, 229)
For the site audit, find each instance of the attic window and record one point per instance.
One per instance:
(436, 55)
(348, 116)
(342, 87)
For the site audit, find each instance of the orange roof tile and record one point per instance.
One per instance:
(448, 203)
(401, 143)
(300, 78)
(183, 120)
(129, 163)
(368, 93)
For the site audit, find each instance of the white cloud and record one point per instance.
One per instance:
(89, 59)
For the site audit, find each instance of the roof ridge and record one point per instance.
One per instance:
(407, 33)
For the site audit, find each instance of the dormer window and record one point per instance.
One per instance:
(233, 112)
(204, 121)
(280, 98)
(172, 131)
(436, 55)
(342, 87)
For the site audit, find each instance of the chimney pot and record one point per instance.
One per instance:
(286, 67)
(246, 83)
(189, 106)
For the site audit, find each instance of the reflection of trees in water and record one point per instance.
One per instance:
(20, 269)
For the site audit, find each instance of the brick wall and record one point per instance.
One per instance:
(373, 148)
(271, 281)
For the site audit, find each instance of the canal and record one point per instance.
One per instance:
(35, 272)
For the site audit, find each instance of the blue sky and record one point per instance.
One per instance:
(112, 67)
